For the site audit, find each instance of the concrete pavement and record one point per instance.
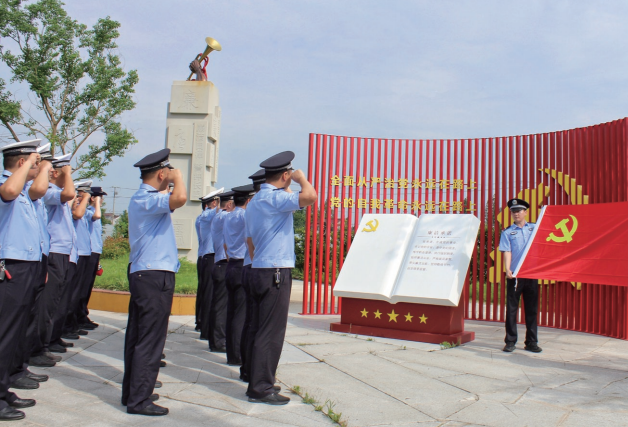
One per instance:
(578, 380)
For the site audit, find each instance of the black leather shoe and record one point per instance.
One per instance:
(24, 383)
(163, 356)
(534, 348)
(52, 357)
(37, 377)
(57, 348)
(162, 364)
(153, 398)
(22, 403)
(94, 324)
(197, 328)
(66, 344)
(244, 378)
(41, 362)
(276, 389)
(11, 414)
(158, 384)
(219, 350)
(70, 336)
(81, 332)
(87, 326)
(234, 363)
(509, 347)
(271, 399)
(151, 410)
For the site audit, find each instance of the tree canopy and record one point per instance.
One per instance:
(76, 84)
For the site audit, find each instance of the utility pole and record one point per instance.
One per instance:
(115, 193)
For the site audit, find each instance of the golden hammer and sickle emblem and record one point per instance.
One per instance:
(371, 226)
(562, 226)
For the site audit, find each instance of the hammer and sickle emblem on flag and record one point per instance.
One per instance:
(371, 226)
(562, 226)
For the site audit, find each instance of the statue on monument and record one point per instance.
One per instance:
(196, 67)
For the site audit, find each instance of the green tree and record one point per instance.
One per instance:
(121, 227)
(77, 87)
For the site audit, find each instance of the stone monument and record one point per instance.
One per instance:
(193, 136)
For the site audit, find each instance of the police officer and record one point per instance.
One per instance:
(218, 308)
(57, 199)
(246, 342)
(20, 255)
(199, 267)
(21, 377)
(153, 264)
(206, 288)
(512, 243)
(270, 229)
(235, 244)
(83, 218)
(95, 238)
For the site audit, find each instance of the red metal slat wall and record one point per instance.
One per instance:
(355, 175)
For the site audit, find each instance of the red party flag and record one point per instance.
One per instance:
(579, 243)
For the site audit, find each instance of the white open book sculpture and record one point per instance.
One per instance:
(402, 258)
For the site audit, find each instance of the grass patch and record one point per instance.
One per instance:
(114, 276)
(446, 345)
(326, 409)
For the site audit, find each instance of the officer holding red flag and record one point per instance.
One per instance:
(512, 243)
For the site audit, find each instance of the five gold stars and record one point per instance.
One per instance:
(392, 317)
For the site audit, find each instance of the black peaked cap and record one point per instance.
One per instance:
(155, 161)
(259, 176)
(518, 204)
(227, 195)
(278, 162)
(97, 191)
(244, 190)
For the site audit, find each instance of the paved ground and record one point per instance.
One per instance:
(579, 380)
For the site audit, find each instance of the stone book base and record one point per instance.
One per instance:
(405, 321)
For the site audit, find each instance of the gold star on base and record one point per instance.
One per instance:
(393, 316)
(378, 315)
(364, 313)
(409, 318)
(423, 319)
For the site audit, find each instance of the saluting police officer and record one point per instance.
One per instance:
(206, 288)
(20, 255)
(57, 199)
(95, 238)
(83, 217)
(218, 308)
(246, 342)
(21, 377)
(271, 232)
(153, 264)
(235, 245)
(512, 243)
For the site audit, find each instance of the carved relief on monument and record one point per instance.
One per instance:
(189, 98)
(214, 120)
(197, 184)
(211, 150)
(183, 232)
(181, 138)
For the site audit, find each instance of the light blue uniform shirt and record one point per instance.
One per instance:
(217, 237)
(151, 234)
(95, 233)
(233, 233)
(205, 228)
(197, 225)
(514, 239)
(20, 237)
(83, 240)
(42, 219)
(60, 223)
(247, 256)
(270, 226)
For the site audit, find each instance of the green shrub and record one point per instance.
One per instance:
(115, 247)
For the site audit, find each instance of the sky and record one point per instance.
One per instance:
(393, 69)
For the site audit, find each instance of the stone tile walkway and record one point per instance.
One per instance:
(578, 380)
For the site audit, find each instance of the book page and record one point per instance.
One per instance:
(377, 251)
(437, 259)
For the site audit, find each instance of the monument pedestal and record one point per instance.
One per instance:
(405, 321)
